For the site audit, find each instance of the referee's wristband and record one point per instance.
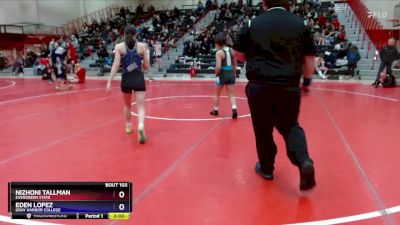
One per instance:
(307, 81)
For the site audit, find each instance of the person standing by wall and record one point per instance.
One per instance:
(388, 54)
(278, 49)
(158, 52)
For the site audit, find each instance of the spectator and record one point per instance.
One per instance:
(59, 65)
(353, 56)
(341, 33)
(200, 6)
(44, 51)
(139, 9)
(329, 37)
(52, 44)
(309, 23)
(322, 21)
(79, 75)
(158, 52)
(208, 4)
(72, 55)
(30, 58)
(336, 24)
(319, 37)
(18, 66)
(3, 62)
(205, 47)
(320, 66)
(45, 69)
(388, 54)
(122, 13)
(102, 51)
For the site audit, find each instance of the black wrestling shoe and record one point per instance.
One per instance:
(307, 178)
(214, 112)
(234, 114)
(376, 84)
(267, 176)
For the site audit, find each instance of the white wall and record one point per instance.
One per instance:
(383, 11)
(18, 11)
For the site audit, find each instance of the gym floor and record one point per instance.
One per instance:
(196, 169)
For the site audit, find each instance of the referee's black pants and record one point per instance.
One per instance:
(276, 106)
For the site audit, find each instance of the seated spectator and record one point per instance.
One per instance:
(320, 66)
(309, 23)
(321, 21)
(330, 38)
(102, 52)
(345, 47)
(336, 24)
(205, 46)
(44, 51)
(341, 33)
(79, 75)
(18, 66)
(319, 37)
(31, 58)
(353, 56)
(208, 4)
(44, 69)
(3, 62)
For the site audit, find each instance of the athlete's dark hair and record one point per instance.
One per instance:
(130, 40)
(220, 38)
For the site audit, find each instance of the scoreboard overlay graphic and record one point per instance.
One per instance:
(70, 200)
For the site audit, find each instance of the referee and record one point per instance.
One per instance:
(278, 49)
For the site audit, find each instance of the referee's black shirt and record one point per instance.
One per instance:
(275, 46)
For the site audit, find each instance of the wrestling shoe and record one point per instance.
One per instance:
(141, 135)
(214, 112)
(128, 128)
(234, 114)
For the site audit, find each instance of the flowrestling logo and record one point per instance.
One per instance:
(377, 14)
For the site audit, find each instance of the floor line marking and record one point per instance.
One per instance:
(173, 166)
(189, 119)
(358, 217)
(350, 151)
(12, 83)
(358, 93)
(55, 110)
(59, 141)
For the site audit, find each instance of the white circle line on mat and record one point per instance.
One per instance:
(188, 119)
(12, 83)
(354, 218)
(357, 93)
